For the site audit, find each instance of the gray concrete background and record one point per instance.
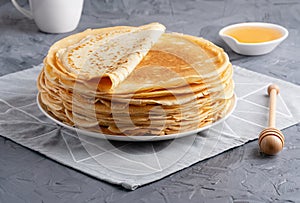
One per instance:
(239, 175)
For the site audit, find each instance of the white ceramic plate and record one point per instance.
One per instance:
(135, 138)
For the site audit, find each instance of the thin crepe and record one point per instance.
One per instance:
(106, 55)
(182, 83)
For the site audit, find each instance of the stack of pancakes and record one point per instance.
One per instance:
(136, 81)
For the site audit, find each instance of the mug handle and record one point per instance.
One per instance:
(27, 13)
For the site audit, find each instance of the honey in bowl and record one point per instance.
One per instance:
(253, 34)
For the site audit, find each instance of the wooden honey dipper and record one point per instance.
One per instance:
(271, 140)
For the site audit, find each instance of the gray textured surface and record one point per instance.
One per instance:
(239, 175)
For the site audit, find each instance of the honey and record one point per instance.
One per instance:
(253, 34)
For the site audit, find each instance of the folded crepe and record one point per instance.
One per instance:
(106, 56)
(136, 81)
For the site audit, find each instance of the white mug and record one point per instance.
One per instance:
(53, 16)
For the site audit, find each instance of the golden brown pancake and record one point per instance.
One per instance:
(179, 83)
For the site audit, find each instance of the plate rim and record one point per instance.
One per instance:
(135, 138)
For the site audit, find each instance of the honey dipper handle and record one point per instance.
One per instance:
(273, 90)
